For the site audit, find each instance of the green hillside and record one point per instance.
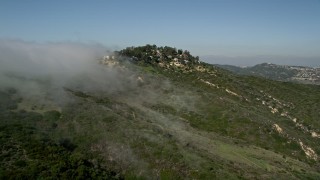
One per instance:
(167, 115)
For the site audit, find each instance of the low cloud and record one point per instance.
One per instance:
(42, 70)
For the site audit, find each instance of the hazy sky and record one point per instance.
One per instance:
(230, 31)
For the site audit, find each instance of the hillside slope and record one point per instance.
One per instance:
(165, 115)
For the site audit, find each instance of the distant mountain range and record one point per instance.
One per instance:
(301, 74)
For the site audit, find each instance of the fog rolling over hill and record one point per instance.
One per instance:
(44, 69)
(70, 110)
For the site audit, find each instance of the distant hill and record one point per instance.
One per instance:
(299, 74)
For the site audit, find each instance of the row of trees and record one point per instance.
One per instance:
(152, 54)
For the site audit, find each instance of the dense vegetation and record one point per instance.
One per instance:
(151, 54)
(28, 151)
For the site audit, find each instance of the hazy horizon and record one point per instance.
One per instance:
(233, 32)
(252, 61)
